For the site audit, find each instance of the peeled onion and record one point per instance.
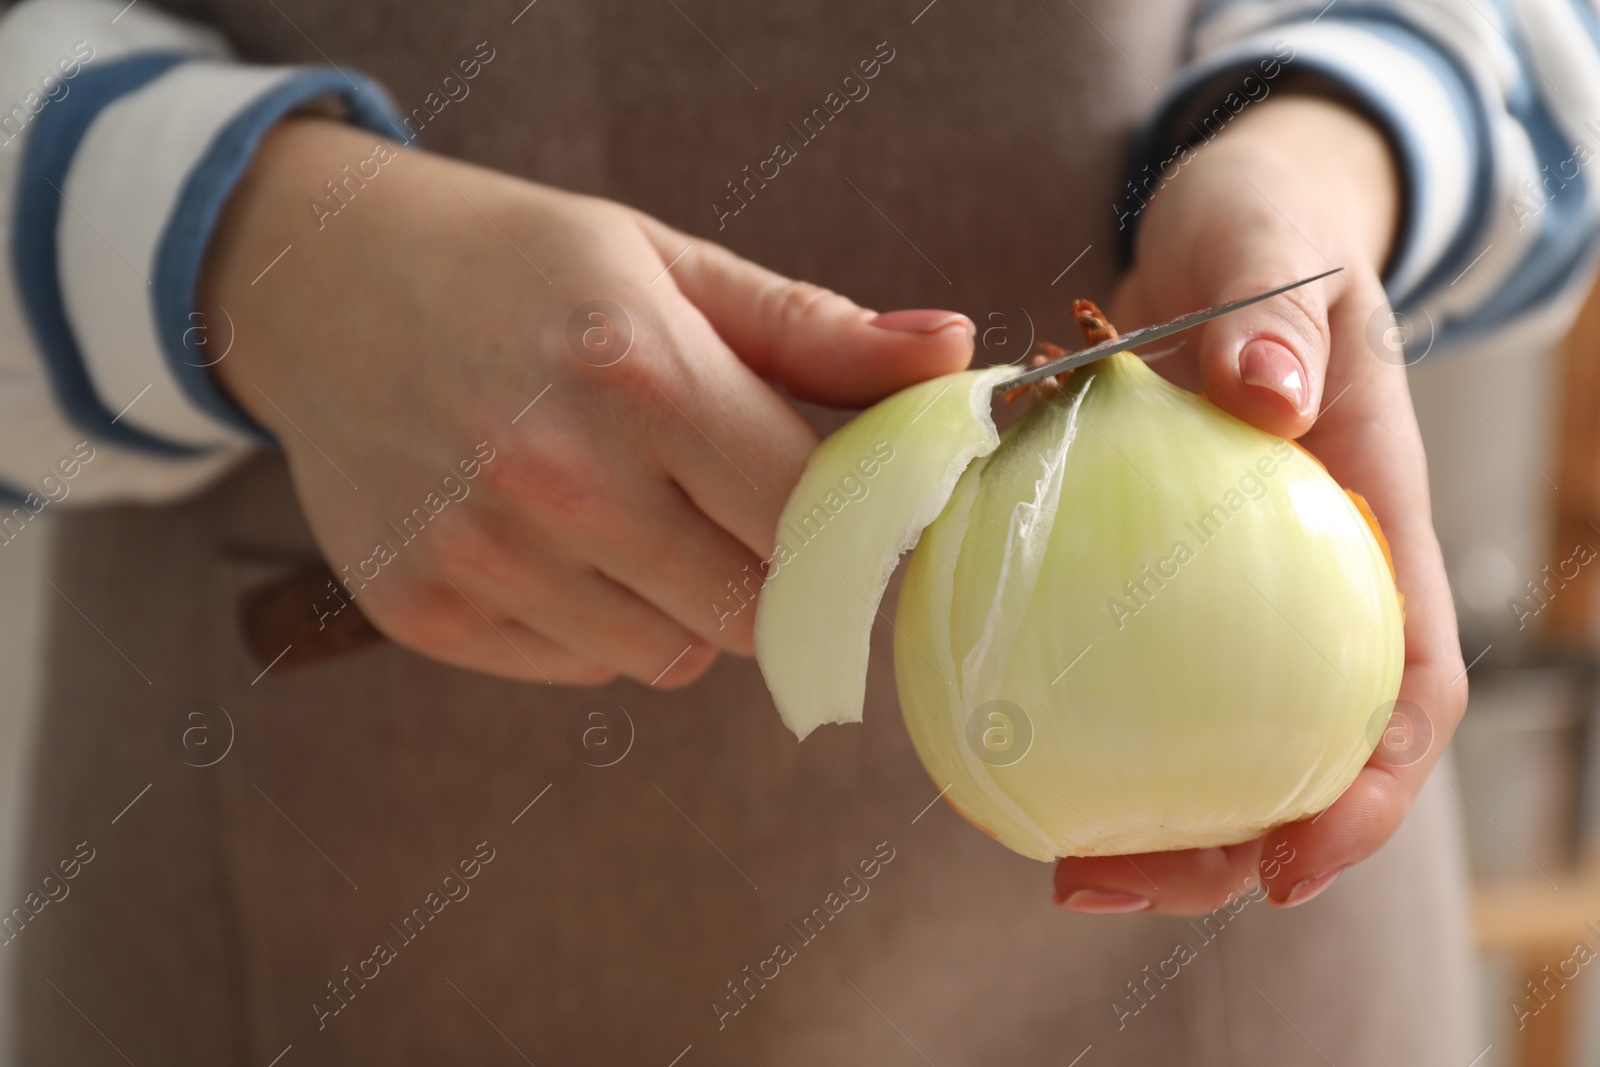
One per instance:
(1132, 623)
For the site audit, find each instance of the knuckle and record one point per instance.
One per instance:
(660, 365)
(680, 561)
(1307, 314)
(559, 482)
(790, 303)
(465, 549)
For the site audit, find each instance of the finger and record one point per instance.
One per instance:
(598, 620)
(606, 504)
(695, 572)
(1186, 882)
(508, 649)
(726, 437)
(1316, 851)
(623, 504)
(818, 345)
(1369, 441)
(442, 623)
(1265, 363)
(513, 570)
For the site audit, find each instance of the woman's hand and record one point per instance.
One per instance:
(521, 481)
(1295, 187)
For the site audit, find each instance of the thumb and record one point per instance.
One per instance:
(1266, 363)
(817, 344)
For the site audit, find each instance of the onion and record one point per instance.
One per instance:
(1133, 623)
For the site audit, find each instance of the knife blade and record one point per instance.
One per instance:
(1146, 334)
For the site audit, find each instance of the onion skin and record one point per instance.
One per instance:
(1191, 619)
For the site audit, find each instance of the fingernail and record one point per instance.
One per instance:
(922, 320)
(1104, 902)
(1269, 365)
(1309, 888)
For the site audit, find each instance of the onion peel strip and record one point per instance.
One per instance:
(842, 533)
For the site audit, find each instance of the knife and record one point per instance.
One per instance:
(1147, 334)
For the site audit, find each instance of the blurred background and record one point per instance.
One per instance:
(1513, 440)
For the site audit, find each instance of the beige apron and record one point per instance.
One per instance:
(383, 860)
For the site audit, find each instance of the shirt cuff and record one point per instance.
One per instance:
(119, 190)
(1416, 92)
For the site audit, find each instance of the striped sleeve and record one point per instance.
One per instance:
(1493, 110)
(122, 132)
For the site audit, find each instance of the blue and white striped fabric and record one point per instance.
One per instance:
(1493, 107)
(129, 129)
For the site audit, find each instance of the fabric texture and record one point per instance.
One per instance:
(230, 913)
(617, 908)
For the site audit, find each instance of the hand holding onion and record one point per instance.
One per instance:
(1294, 181)
(1231, 707)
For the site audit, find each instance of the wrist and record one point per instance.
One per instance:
(265, 223)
